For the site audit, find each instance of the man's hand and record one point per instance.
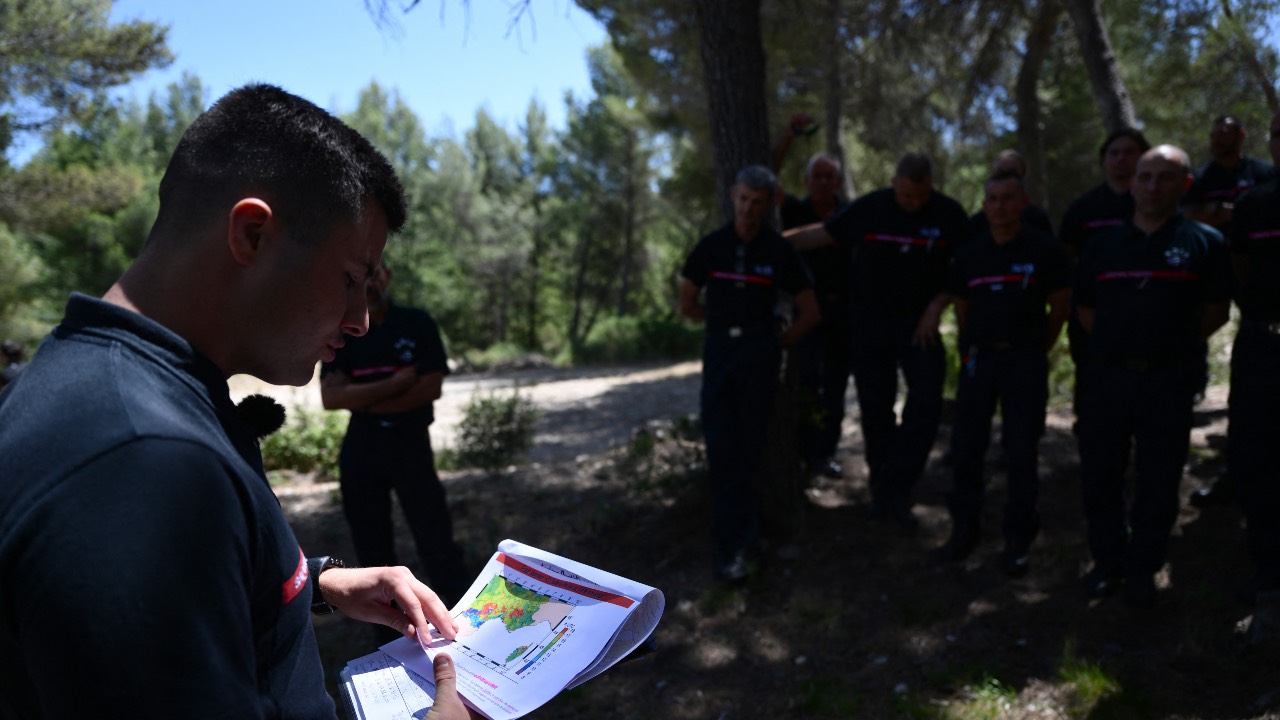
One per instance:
(367, 594)
(926, 334)
(802, 123)
(448, 705)
(404, 378)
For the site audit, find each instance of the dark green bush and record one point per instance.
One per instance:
(631, 339)
(496, 430)
(308, 442)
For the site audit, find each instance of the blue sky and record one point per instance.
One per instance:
(447, 58)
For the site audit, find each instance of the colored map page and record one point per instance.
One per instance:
(513, 605)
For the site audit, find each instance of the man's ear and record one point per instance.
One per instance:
(250, 223)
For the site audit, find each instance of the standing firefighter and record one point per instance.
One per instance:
(1150, 293)
(389, 378)
(741, 266)
(903, 238)
(1255, 391)
(1001, 283)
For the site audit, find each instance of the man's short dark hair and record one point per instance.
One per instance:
(1006, 176)
(1014, 155)
(312, 169)
(1133, 134)
(757, 177)
(915, 167)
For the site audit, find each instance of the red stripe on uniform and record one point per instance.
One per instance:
(361, 372)
(1264, 234)
(298, 580)
(741, 277)
(996, 279)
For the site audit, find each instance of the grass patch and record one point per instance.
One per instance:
(1088, 682)
(989, 700)
(829, 696)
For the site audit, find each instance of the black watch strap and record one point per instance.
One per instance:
(317, 565)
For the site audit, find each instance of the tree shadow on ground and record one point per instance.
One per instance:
(856, 619)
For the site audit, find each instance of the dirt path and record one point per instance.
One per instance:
(582, 411)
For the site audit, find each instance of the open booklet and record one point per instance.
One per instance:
(532, 624)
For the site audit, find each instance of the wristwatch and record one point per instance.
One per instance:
(317, 565)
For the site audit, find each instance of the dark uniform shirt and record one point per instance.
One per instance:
(146, 569)
(1255, 240)
(902, 258)
(828, 266)
(742, 279)
(1096, 211)
(407, 337)
(1148, 291)
(1006, 288)
(1215, 183)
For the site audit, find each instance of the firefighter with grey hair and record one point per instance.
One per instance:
(731, 282)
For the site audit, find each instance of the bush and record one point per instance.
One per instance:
(502, 355)
(308, 442)
(631, 339)
(496, 430)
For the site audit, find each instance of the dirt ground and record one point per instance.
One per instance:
(850, 618)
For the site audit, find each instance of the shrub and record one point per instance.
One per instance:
(308, 442)
(495, 431)
(631, 339)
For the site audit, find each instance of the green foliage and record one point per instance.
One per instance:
(989, 701)
(496, 430)
(1062, 372)
(82, 207)
(308, 442)
(59, 53)
(21, 268)
(941, 78)
(1088, 682)
(496, 355)
(633, 339)
(568, 242)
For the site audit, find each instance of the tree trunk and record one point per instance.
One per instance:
(1109, 90)
(629, 210)
(1030, 138)
(580, 287)
(835, 97)
(734, 68)
(535, 279)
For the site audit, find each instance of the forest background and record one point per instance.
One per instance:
(568, 242)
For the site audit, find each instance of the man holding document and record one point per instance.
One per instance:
(146, 569)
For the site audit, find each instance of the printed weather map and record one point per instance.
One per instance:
(514, 606)
(533, 624)
(511, 627)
